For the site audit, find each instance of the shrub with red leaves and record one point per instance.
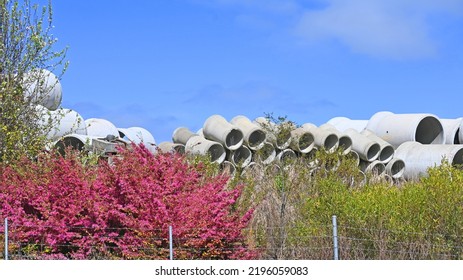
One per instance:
(59, 207)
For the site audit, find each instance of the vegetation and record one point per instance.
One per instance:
(59, 207)
(376, 220)
(26, 45)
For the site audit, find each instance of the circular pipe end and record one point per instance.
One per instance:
(430, 131)
(395, 168)
(386, 154)
(256, 139)
(234, 139)
(331, 143)
(217, 153)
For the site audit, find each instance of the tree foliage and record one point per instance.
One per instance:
(61, 208)
(26, 45)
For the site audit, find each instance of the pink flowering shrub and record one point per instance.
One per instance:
(60, 208)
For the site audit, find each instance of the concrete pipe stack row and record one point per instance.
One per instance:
(419, 141)
(246, 144)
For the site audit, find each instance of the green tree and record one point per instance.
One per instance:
(27, 58)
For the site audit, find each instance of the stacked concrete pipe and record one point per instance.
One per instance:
(322, 138)
(366, 148)
(200, 145)
(254, 136)
(386, 152)
(43, 87)
(452, 130)
(217, 128)
(343, 124)
(345, 142)
(169, 147)
(302, 140)
(400, 128)
(418, 157)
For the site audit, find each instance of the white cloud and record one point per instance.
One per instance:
(384, 28)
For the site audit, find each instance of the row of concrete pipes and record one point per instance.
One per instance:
(398, 145)
(393, 145)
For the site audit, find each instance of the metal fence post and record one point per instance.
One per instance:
(335, 238)
(171, 250)
(6, 238)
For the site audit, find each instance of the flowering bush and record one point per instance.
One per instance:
(61, 208)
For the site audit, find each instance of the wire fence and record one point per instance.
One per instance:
(325, 242)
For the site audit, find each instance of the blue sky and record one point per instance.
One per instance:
(168, 63)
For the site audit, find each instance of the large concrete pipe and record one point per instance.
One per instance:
(266, 154)
(128, 135)
(278, 135)
(240, 157)
(387, 151)
(200, 145)
(375, 168)
(228, 168)
(169, 147)
(217, 128)
(342, 124)
(61, 122)
(254, 136)
(100, 128)
(285, 156)
(399, 128)
(145, 137)
(395, 168)
(181, 135)
(345, 142)
(452, 130)
(86, 142)
(366, 148)
(323, 138)
(418, 157)
(355, 156)
(43, 87)
(302, 140)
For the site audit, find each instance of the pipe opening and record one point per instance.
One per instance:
(179, 149)
(378, 168)
(286, 156)
(458, 158)
(266, 154)
(397, 169)
(228, 168)
(256, 139)
(241, 156)
(429, 131)
(373, 152)
(283, 139)
(306, 142)
(217, 153)
(234, 139)
(345, 142)
(73, 142)
(386, 154)
(331, 142)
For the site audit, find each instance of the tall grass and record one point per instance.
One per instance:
(293, 206)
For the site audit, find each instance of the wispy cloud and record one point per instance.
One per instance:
(394, 29)
(381, 28)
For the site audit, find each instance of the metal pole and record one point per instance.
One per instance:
(6, 238)
(171, 250)
(335, 238)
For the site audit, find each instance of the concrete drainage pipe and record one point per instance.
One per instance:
(218, 129)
